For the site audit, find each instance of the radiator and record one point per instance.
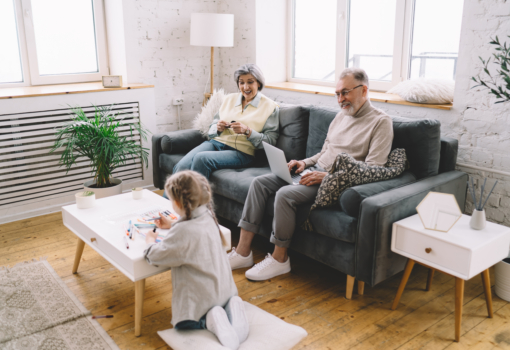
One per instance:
(28, 172)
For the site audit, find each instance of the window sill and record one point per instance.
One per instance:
(62, 89)
(330, 91)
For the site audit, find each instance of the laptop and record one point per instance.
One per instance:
(278, 165)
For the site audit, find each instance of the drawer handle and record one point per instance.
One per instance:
(92, 239)
(428, 250)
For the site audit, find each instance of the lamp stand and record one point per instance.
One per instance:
(208, 96)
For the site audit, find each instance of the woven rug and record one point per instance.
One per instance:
(38, 311)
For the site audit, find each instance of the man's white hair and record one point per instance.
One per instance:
(358, 74)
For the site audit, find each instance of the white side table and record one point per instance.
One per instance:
(461, 252)
(98, 227)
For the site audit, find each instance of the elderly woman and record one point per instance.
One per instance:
(244, 120)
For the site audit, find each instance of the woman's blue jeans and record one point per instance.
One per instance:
(213, 155)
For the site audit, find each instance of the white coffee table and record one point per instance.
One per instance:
(461, 252)
(102, 229)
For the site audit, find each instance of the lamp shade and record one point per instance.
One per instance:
(212, 29)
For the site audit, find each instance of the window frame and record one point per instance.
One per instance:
(28, 51)
(401, 49)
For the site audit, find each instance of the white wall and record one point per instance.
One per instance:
(158, 52)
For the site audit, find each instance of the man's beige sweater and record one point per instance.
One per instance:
(366, 136)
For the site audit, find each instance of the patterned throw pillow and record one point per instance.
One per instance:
(347, 172)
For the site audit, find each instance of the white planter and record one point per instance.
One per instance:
(137, 193)
(502, 277)
(104, 192)
(85, 201)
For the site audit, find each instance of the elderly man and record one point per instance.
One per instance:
(359, 129)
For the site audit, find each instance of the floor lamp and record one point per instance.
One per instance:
(212, 29)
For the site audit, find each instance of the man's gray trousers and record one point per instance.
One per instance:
(288, 197)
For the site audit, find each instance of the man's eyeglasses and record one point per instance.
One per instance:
(346, 92)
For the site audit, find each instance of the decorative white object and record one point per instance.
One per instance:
(430, 91)
(137, 192)
(85, 200)
(212, 29)
(204, 119)
(112, 81)
(462, 253)
(439, 211)
(502, 276)
(99, 227)
(478, 220)
(106, 191)
(267, 332)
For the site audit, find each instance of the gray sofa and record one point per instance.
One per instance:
(353, 236)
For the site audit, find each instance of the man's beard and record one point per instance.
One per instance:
(349, 111)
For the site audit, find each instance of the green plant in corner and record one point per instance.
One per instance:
(498, 84)
(99, 139)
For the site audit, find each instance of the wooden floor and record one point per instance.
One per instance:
(311, 296)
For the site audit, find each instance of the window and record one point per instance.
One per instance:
(392, 40)
(51, 42)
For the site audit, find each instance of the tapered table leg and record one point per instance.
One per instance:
(79, 252)
(139, 293)
(429, 279)
(403, 282)
(487, 289)
(459, 302)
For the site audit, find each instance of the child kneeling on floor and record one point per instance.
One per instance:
(204, 292)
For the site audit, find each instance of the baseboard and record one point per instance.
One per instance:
(44, 208)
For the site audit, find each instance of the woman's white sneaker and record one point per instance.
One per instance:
(238, 319)
(217, 322)
(268, 268)
(238, 261)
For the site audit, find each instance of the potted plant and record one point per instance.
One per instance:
(499, 85)
(98, 138)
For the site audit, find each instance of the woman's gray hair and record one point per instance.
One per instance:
(357, 73)
(252, 69)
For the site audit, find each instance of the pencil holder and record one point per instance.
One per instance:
(478, 220)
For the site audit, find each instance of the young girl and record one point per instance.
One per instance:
(204, 292)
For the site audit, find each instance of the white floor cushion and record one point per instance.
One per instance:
(267, 332)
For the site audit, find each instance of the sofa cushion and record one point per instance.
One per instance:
(293, 131)
(168, 161)
(331, 222)
(235, 183)
(350, 200)
(421, 138)
(320, 118)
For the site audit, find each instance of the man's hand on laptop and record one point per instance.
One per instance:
(298, 164)
(312, 178)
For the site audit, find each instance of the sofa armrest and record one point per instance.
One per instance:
(351, 199)
(448, 154)
(375, 262)
(173, 142)
(181, 142)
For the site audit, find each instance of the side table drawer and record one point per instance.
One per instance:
(427, 249)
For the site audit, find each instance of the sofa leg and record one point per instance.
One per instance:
(361, 287)
(349, 288)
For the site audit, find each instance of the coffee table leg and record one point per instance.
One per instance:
(429, 279)
(139, 292)
(459, 301)
(487, 289)
(403, 282)
(79, 252)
